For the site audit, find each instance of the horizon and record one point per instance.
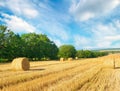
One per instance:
(75, 22)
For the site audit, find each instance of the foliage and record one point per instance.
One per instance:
(30, 45)
(67, 51)
(11, 45)
(39, 46)
(89, 54)
(36, 47)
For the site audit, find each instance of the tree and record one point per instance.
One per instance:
(89, 54)
(10, 44)
(99, 54)
(80, 54)
(67, 51)
(29, 45)
(5, 36)
(15, 46)
(39, 46)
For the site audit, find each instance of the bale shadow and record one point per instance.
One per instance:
(37, 69)
(116, 67)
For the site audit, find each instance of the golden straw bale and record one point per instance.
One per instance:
(70, 59)
(117, 63)
(76, 58)
(62, 59)
(20, 64)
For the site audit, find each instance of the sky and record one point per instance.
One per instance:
(85, 24)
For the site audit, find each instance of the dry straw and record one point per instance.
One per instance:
(20, 64)
(62, 59)
(76, 58)
(116, 62)
(70, 59)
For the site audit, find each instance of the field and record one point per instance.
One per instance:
(94, 74)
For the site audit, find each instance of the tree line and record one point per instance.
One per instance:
(31, 45)
(36, 47)
(67, 51)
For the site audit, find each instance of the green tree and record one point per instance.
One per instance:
(15, 46)
(89, 54)
(67, 51)
(5, 36)
(80, 54)
(39, 46)
(99, 54)
(84, 54)
(29, 45)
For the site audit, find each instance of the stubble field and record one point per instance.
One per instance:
(94, 74)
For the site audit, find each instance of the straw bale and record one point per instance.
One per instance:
(20, 64)
(70, 59)
(62, 59)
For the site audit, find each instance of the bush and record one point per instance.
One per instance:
(3, 60)
(45, 59)
(89, 54)
(67, 51)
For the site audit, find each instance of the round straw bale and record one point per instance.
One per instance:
(70, 59)
(62, 59)
(20, 64)
(76, 58)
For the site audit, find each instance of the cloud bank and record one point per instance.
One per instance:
(82, 23)
(84, 10)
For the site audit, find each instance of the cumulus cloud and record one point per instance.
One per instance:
(84, 10)
(102, 36)
(112, 38)
(106, 35)
(21, 7)
(54, 28)
(17, 24)
(49, 22)
(101, 30)
(58, 42)
(82, 41)
(2, 4)
(103, 33)
(22, 16)
(117, 24)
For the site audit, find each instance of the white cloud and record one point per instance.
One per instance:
(2, 4)
(87, 9)
(17, 24)
(54, 28)
(102, 36)
(81, 41)
(30, 13)
(21, 7)
(57, 42)
(113, 38)
(55, 23)
(85, 16)
(50, 21)
(103, 33)
(117, 24)
(106, 35)
(103, 44)
(101, 30)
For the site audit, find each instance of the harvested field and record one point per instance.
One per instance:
(94, 74)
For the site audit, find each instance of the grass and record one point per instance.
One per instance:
(97, 74)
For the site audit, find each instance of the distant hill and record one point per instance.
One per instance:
(110, 50)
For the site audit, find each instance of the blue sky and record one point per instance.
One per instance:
(86, 24)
